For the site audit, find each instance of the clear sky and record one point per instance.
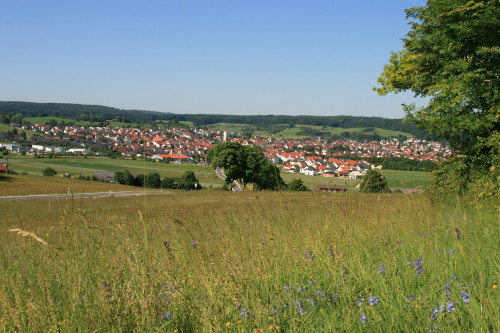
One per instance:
(294, 57)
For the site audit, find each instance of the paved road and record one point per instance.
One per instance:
(236, 186)
(76, 195)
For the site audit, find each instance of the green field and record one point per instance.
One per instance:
(293, 133)
(212, 261)
(87, 166)
(205, 174)
(4, 128)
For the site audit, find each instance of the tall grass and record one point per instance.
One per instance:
(220, 261)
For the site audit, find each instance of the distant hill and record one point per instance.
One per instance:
(99, 113)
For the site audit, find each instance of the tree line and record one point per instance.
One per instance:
(187, 181)
(99, 114)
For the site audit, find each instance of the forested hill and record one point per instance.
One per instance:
(98, 113)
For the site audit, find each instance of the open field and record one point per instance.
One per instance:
(88, 166)
(27, 185)
(206, 175)
(292, 133)
(4, 128)
(219, 261)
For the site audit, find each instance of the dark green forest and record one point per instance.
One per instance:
(98, 113)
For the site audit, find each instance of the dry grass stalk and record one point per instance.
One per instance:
(30, 234)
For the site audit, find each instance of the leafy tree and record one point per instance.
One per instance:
(452, 57)
(124, 177)
(187, 180)
(373, 182)
(152, 180)
(245, 164)
(232, 157)
(269, 178)
(17, 119)
(139, 180)
(49, 172)
(297, 184)
(169, 182)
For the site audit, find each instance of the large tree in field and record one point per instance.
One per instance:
(245, 164)
(452, 57)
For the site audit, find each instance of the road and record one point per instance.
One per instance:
(77, 195)
(236, 186)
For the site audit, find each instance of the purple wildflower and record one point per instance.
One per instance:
(465, 297)
(447, 289)
(166, 316)
(418, 265)
(362, 318)
(361, 301)
(457, 233)
(373, 300)
(450, 306)
(193, 243)
(451, 251)
(381, 269)
(263, 240)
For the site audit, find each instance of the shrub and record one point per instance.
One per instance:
(49, 172)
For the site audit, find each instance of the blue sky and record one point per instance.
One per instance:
(294, 57)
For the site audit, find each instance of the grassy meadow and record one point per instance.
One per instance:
(87, 166)
(240, 262)
(293, 133)
(13, 185)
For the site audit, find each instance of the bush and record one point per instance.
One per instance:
(49, 172)
(296, 184)
(374, 182)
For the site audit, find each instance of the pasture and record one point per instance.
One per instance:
(240, 262)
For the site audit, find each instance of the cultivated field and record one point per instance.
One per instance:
(240, 262)
(87, 166)
(205, 174)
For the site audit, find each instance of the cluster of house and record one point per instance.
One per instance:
(190, 145)
(332, 167)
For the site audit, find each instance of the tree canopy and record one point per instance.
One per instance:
(452, 57)
(373, 182)
(245, 164)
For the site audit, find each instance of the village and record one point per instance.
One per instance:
(181, 145)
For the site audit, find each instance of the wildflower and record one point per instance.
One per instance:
(381, 269)
(193, 243)
(457, 233)
(434, 314)
(361, 301)
(419, 267)
(228, 324)
(447, 289)
(295, 252)
(451, 251)
(309, 256)
(373, 300)
(494, 286)
(169, 250)
(244, 313)
(166, 316)
(300, 289)
(345, 270)
(454, 277)
(263, 240)
(330, 252)
(362, 318)
(450, 306)
(465, 297)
